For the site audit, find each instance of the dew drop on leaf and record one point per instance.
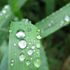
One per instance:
(21, 57)
(38, 45)
(39, 37)
(12, 62)
(30, 52)
(49, 25)
(20, 34)
(4, 11)
(22, 44)
(33, 47)
(37, 63)
(27, 63)
(67, 18)
(6, 7)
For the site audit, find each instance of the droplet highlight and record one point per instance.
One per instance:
(37, 63)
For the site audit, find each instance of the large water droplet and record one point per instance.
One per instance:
(21, 57)
(20, 34)
(67, 18)
(27, 63)
(30, 52)
(22, 44)
(39, 37)
(37, 63)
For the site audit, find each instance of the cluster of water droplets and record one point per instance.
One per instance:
(32, 51)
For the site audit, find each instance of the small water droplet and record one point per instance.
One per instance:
(27, 63)
(37, 63)
(67, 18)
(49, 24)
(12, 64)
(38, 45)
(38, 30)
(6, 7)
(21, 57)
(30, 52)
(39, 37)
(12, 60)
(14, 44)
(4, 11)
(22, 44)
(20, 34)
(10, 31)
(33, 47)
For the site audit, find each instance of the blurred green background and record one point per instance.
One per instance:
(57, 45)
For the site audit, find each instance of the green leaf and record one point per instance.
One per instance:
(16, 4)
(25, 49)
(55, 21)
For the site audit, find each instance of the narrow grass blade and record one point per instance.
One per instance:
(16, 4)
(25, 49)
(55, 21)
(5, 16)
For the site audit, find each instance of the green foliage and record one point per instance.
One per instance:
(16, 4)
(22, 46)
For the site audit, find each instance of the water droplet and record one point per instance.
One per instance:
(22, 44)
(37, 63)
(20, 34)
(27, 63)
(4, 11)
(38, 30)
(6, 7)
(12, 60)
(33, 47)
(30, 52)
(49, 24)
(14, 44)
(10, 31)
(39, 37)
(22, 57)
(38, 45)
(67, 18)
(12, 64)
